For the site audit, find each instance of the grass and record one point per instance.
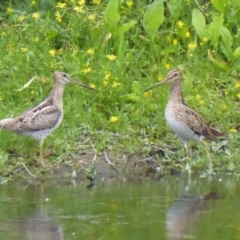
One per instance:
(120, 49)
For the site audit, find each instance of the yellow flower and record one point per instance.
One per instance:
(36, 15)
(105, 83)
(9, 10)
(130, 3)
(233, 130)
(192, 45)
(224, 106)
(81, 2)
(113, 119)
(167, 65)
(36, 39)
(91, 17)
(79, 9)
(237, 85)
(21, 18)
(238, 95)
(201, 101)
(10, 47)
(86, 70)
(159, 77)
(180, 24)
(52, 52)
(58, 17)
(75, 51)
(97, 2)
(92, 85)
(107, 75)
(175, 41)
(111, 57)
(115, 84)
(169, 38)
(146, 94)
(90, 51)
(61, 5)
(198, 97)
(32, 92)
(187, 34)
(24, 50)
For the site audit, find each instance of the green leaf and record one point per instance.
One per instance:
(236, 53)
(227, 50)
(237, 2)
(198, 21)
(175, 8)
(220, 5)
(112, 15)
(124, 28)
(218, 62)
(226, 42)
(136, 88)
(226, 36)
(214, 28)
(154, 17)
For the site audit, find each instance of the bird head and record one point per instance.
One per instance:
(172, 77)
(63, 78)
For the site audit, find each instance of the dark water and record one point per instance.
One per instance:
(170, 208)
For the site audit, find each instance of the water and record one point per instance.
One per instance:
(170, 208)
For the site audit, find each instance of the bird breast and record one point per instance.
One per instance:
(177, 123)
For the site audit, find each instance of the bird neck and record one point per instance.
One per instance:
(57, 94)
(176, 94)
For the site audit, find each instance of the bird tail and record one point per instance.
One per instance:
(4, 123)
(214, 133)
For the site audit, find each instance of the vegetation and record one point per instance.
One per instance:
(120, 48)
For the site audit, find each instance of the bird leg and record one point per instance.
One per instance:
(208, 154)
(41, 154)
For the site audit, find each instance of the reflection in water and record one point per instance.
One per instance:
(184, 213)
(39, 226)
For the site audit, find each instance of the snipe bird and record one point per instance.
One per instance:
(185, 122)
(40, 121)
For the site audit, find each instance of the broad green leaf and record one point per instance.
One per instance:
(124, 28)
(226, 36)
(112, 15)
(220, 5)
(227, 50)
(214, 28)
(136, 88)
(237, 2)
(218, 62)
(175, 8)
(198, 21)
(236, 53)
(154, 17)
(226, 42)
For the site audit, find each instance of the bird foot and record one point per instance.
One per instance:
(41, 163)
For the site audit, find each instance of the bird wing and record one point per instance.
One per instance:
(196, 123)
(43, 116)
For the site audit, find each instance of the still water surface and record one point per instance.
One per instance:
(170, 208)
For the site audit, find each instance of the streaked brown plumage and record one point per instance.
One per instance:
(38, 122)
(183, 120)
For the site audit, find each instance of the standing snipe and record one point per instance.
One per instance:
(38, 122)
(184, 121)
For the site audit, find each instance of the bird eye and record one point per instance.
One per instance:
(64, 75)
